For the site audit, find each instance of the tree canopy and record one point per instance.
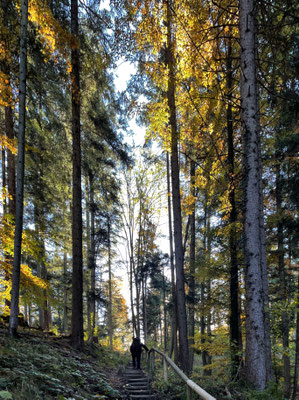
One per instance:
(189, 240)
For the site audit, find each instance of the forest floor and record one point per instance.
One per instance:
(38, 366)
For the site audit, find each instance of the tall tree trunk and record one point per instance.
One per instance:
(44, 310)
(110, 319)
(4, 181)
(204, 354)
(132, 296)
(137, 288)
(164, 315)
(14, 310)
(11, 175)
(257, 335)
(130, 241)
(144, 295)
(296, 368)
(138, 284)
(283, 293)
(174, 343)
(4, 187)
(192, 267)
(11, 178)
(91, 259)
(234, 322)
(77, 278)
(205, 291)
(176, 199)
(39, 221)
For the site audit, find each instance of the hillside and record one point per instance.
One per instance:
(42, 367)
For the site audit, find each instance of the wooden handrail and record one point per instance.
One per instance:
(191, 386)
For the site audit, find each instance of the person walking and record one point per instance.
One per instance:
(136, 350)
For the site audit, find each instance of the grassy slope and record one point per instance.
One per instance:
(41, 367)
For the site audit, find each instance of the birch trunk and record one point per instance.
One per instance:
(14, 310)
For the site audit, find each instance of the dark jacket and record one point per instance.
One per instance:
(136, 347)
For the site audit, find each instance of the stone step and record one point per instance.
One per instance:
(140, 379)
(139, 387)
(141, 392)
(138, 384)
(134, 373)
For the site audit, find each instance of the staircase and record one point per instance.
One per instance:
(137, 385)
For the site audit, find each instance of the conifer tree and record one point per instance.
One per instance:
(77, 277)
(257, 357)
(14, 310)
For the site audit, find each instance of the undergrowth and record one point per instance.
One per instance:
(175, 389)
(37, 368)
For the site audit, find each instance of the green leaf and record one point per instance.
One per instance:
(5, 395)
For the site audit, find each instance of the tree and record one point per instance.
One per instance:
(258, 360)
(77, 277)
(176, 200)
(14, 310)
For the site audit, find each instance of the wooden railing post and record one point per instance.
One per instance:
(153, 364)
(165, 370)
(189, 393)
(149, 362)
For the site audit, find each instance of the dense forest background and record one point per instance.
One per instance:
(215, 84)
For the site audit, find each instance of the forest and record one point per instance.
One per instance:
(150, 188)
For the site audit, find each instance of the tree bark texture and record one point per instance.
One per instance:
(77, 278)
(256, 357)
(176, 201)
(173, 344)
(296, 368)
(110, 320)
(235, 325)
(192, 268)
(14, 310)
(205, 292)
(11, 176)
(4, 181)
(283, 293)
(92, 262)
(144, 297)
(65, 307)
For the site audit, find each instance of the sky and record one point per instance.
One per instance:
(122, 76)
